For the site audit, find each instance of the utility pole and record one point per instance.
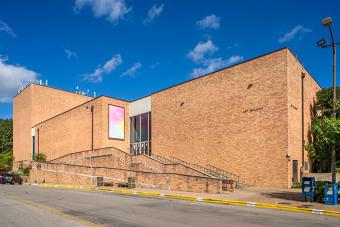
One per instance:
(327, 23)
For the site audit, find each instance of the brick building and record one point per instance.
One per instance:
(249, 119)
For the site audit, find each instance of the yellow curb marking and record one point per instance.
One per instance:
(180, 197)
(149, 194)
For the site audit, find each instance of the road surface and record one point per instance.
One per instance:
(35, 206)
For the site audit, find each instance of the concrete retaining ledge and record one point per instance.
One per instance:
(195, 198)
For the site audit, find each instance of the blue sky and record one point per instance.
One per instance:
(129, 49)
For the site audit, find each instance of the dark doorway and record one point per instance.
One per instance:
(295, 171)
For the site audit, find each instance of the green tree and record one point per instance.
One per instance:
(6, 144)
(325, 131)
(324, 103)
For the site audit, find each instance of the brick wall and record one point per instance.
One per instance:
(22, 123)
(244, 119)
(33, 105)
(72, 131)
(294, 78)
(235, 119)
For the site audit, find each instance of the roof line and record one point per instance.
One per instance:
(84, 103)
(59, 89)
(187, 81)
(295, 56)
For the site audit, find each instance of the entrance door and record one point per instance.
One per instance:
(295, 171)
(140, 134)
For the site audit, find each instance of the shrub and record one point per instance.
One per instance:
(26, 171)
(297, 185)
(319, 190)
(41, 157)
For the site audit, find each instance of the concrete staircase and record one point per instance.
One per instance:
(209, 170)
(115, 165)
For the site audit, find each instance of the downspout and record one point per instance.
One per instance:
(302, 124)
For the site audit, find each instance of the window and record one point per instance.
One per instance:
(140, 136)
(144, 127)
(306, 165)
(135, 129)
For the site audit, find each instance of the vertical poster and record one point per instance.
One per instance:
(116, 122)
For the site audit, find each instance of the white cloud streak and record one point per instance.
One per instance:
(213, 64)
(133, 70)
(299, 29)
(202, 49)
(112, 10)
(6, 28)
(207, 64)
(97, 75)
(70, 54)
(211, 21)
(12, 77)
(154, 65)
(154, 12)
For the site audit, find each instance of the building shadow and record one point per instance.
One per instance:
(288, 198)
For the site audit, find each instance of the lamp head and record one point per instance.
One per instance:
(326, 21)
(321, 42)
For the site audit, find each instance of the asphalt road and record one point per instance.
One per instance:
(36, 206)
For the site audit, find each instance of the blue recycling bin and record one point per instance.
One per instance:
(331, 194)
(308, 188)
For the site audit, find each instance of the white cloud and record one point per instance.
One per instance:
(211, 21)
(299, 29)
(209, 64)
(234, 59)
(6, 28)
(235, 45)
(214, 64)
(113, 10)
(12, 77)
(153, 13)
(100, 71)
(154, 65)
(201, 49)
(70, 54)
(133, 70)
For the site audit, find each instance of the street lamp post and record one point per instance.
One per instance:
(322, 43)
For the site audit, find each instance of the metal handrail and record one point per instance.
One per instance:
(162, 159)
(211, 170)
(224, 173)
(194, 166)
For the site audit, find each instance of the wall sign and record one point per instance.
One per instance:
(116, 122)
(253, 110)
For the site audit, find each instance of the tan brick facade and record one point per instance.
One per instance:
(295, 74)
(72, 131)
(237, 119)
(245, 119)
(33, 105)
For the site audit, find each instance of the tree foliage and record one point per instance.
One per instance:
(6, 144)
(325, 131)
(41, 157)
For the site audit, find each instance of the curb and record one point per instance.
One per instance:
(195, 198)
